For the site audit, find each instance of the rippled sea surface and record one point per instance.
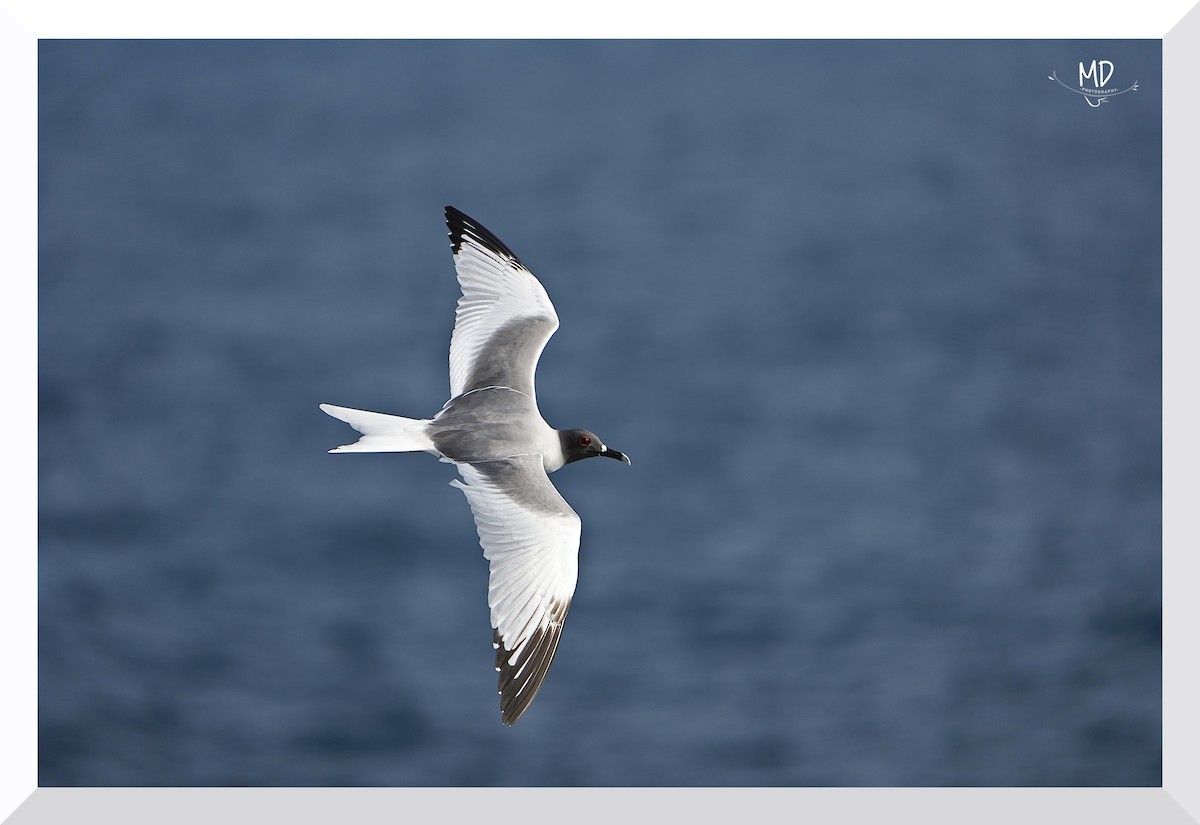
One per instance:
(878, 323)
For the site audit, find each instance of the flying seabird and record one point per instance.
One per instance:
(492, 431)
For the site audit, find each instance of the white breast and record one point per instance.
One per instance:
(551, 449)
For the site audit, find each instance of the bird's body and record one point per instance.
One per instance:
(495, 422)
(492, 431)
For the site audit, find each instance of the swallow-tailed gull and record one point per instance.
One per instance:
(492, 431)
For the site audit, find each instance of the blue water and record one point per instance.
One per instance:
(878, 323)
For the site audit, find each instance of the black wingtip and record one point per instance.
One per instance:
(520, 682)
(463, 226)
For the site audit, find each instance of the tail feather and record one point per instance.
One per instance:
(382, 433)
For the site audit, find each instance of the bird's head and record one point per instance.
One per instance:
(577, 444)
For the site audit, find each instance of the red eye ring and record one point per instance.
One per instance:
(584, 441)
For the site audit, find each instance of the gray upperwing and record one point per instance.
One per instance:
(510, 355)
(522, 479)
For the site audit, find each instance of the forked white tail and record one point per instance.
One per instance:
(382, 433)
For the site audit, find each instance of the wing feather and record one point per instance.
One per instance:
(530, 537)
(504, 316)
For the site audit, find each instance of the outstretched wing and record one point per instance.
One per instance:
(504, 317)
(530, 537)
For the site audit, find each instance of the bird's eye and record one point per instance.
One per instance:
(584, 441)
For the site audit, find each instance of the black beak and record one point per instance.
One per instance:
(618, 456)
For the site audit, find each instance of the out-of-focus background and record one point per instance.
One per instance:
(878, 323)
